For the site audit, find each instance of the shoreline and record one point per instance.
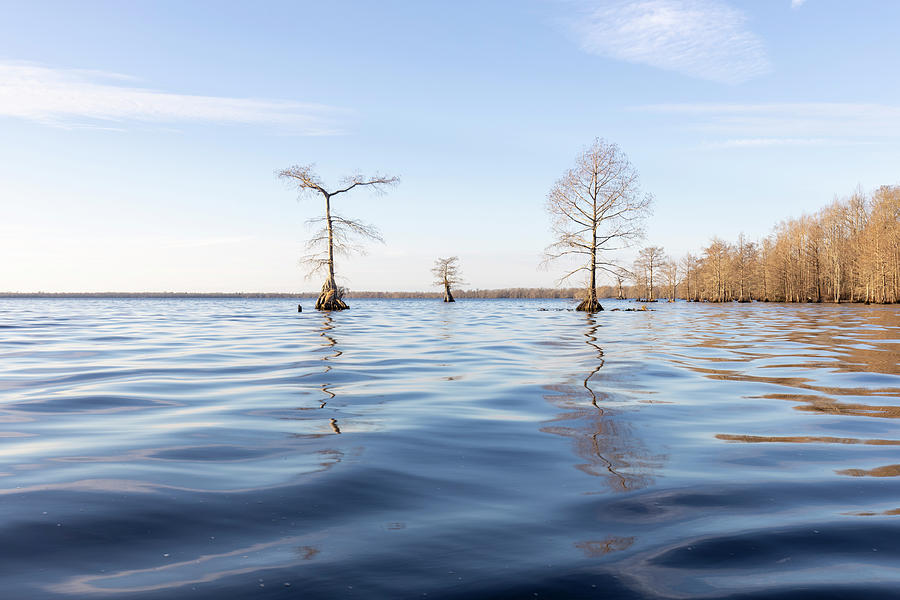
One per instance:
(468, 294)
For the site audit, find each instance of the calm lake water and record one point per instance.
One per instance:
(412, 449)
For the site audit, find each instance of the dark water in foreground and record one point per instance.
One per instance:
(411, 449)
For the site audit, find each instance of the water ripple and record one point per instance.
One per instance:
(410, 449)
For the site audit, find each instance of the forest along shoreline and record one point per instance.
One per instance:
(608, 293)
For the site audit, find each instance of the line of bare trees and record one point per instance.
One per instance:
(597, 207)
(849, 251)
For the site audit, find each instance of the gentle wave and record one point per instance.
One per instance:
(412, 449)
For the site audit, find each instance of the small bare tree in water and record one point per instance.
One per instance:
(446, 273)
(597, 207)
(336, 232)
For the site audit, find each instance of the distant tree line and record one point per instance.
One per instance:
(147, 295)
(849, 251)
(534, 293)
(525, 293)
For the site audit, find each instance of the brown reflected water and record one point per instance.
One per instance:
(886, 471)
(793, 382)
(802, 439)
(826, 405)
(888, 513)
(599, 548)
(836, 353)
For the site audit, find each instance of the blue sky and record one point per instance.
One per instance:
(139, 140)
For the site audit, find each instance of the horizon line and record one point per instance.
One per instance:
(301, 294)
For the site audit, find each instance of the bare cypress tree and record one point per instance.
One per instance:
(446, 273)
(649, 261)
(689, 265)
(670, 269)
(715, 258)
(597, 207)
(621, 274)
(336, 232)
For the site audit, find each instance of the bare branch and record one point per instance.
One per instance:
(376, 182)
(303, 178)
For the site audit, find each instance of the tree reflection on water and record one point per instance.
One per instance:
(330, 344)
(607, 444)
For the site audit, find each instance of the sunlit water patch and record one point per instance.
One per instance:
(482, 449)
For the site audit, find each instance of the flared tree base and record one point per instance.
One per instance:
(448, 297)
(330, 298)
(332, 303)
(589, 305)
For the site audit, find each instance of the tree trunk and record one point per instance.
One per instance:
(590, 303)
(837, 284)
(448, 297)
(330, 298)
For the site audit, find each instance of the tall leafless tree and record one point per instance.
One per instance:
(670, 269)
(744, 255)
(650, 261)
(715, 259)
(335, 232)
(689, 265)
(597, 207)
(446, 273)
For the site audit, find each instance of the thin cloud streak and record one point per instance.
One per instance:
(706, 39)
(780, 142)
(801, 120)
(75, 98)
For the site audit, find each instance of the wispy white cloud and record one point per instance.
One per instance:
(778, 142)
(706, 39)
(83, 98)
(797, 3)
(822, 122)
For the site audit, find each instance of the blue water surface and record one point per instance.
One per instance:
(175, 448)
